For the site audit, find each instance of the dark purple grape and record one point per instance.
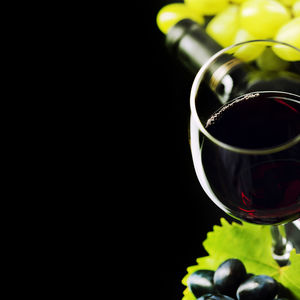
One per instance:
(224, 297)
(214, 297)
(201, 282)
(283, 292)
(229, 275)
(260, 287)
(249, 275)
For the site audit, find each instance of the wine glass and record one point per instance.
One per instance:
(245, 134)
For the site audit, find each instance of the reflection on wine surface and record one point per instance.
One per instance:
(261, 188)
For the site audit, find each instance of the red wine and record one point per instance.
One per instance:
(259, 188)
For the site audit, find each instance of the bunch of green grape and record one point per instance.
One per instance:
(234, 21)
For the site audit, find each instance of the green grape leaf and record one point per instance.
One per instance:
(252, 244)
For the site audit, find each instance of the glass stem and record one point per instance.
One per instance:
(281, 246)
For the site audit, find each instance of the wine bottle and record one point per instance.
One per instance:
(228, 77)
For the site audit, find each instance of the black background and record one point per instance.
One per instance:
(173, 213)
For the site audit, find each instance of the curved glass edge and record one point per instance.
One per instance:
(196, 155)
(194, 114)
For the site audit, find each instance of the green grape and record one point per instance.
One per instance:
(289, 33)
(223, 26)
(262, 18)
(287, 2)
(247, 52)
(172, 13)
(296, 9)
(207, 7)
(268, 61)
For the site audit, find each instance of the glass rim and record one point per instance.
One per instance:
(194, 92)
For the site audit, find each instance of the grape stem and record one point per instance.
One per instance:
(281, 246)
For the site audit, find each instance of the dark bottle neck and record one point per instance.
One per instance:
(190, 44)
(227, 76)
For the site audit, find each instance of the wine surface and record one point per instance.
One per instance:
(257, 120)
(261, 188)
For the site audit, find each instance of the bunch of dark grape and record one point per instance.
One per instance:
(231, 281)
